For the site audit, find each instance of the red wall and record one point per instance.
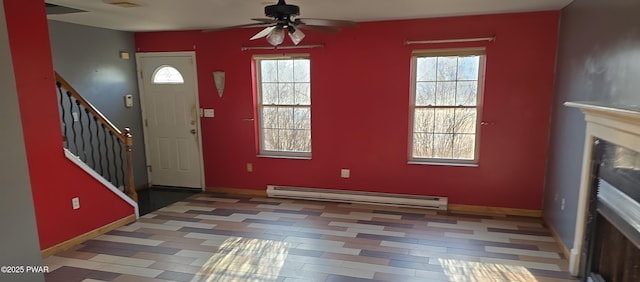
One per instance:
(360, 113)
(54, 179)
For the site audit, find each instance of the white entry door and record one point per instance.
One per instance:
(169, 97)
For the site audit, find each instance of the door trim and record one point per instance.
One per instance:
(192, 55)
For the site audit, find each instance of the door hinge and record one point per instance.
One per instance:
(146, 123)
(150, 168)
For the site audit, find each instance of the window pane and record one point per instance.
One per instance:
(270, 117)
(167, 75)
(301, 71)
(269, 70)
(467, 93)
(285, 71)
(443, 146)
(422, 145)
(305, 136)
(287, 140)
(446, 93)
(285, 94)
(425, 93)
(269, 93)
(302, 118)
(465, 121)
(468, 68)
(447, 68)
(444, 121)
(423, 120)
(302, 93)
(285, 117)
(270, 139)
(464, 146)
(426, 69)
(295, 140)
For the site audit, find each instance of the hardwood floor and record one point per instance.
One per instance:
(224, 237)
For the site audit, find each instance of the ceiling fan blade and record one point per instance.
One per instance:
(263, 32)
(319, 28)
(327, 22)
(237, 26)
(265, 20)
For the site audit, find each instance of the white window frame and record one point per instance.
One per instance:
(155, 80)
(460, 52)
(261, 144)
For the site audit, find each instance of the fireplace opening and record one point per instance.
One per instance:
(612, 249)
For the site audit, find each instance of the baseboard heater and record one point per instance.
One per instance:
(346, 196)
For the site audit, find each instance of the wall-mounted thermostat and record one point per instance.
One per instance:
(128, 101)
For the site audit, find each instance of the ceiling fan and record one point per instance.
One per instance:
(282, 18)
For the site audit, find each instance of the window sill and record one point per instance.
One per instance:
(443, 163)
(285, 157)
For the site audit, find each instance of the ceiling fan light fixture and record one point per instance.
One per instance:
(276, 36)
(295, 34)
(282, 16)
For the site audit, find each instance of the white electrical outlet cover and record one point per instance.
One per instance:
(75, 203)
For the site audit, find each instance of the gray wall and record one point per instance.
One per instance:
(19, 244)
(598, 60)
(88, 58)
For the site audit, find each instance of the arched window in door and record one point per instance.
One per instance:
(166, 74)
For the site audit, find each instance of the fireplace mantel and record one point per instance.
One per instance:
(619, 124)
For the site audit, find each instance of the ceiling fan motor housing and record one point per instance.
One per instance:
(281, 10)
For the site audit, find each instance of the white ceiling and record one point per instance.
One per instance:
(164, 15)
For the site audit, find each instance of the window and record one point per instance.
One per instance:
(167, 75)
(284, 105)
(447, 86)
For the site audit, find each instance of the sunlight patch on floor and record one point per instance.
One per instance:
(241, 259)
(468, 271)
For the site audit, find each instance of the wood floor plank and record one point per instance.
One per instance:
(252, 238)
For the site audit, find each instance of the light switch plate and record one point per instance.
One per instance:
(345, 173)
(128, 100)
(208, 113)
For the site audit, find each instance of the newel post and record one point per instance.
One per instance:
(131, 191)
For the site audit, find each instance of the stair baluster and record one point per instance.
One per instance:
(122, 167)
(73, 124)
(62, 116)
(99, 151)
(114, 161)
(84, 152)
(108, 148)
(93, 158)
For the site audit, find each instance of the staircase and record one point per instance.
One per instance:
(92, 142)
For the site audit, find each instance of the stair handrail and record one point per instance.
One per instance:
(124, 136)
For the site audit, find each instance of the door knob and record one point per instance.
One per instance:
(193, 131)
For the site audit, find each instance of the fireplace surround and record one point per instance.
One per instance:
(607, 210)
